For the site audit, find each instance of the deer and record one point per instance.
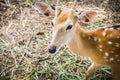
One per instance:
(101, 45)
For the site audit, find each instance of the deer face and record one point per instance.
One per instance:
(63, 30)
(64, 21)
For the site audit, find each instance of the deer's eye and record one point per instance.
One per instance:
(69, 27)
(52, 23)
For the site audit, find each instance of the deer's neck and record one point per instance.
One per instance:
(81, 44)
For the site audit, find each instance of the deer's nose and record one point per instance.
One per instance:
(52, 49)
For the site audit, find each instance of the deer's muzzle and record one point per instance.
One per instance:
(52, 49)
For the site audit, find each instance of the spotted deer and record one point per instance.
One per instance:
(102, 45)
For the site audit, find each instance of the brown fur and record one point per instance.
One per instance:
(87, 43)
(87, 46)
(62, 17)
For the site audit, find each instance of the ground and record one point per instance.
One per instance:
(24, 37)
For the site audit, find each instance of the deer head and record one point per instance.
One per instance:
(64, 23)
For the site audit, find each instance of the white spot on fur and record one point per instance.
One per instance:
(104, 57)
(117, 44)
(118, 60)
(106, 54)
(116, 55)
(112, 51)
(99, 39)
(118, 37)
(100, 50)
(95, 38)
(109, 42)
(111, 59)
(105, 32)
(106, 29)
(100, 46)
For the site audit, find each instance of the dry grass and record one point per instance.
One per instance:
(24, 37)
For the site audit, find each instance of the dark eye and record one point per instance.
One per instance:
(69, 27)
(52, 23)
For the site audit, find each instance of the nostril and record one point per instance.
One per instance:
(52, 50)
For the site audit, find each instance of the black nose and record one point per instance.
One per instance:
(52, 49)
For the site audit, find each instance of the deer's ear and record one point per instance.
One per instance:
(86, 16)
(45, 8)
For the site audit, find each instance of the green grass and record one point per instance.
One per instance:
(62, 66)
